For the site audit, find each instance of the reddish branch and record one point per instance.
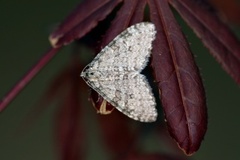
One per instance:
(27, 78)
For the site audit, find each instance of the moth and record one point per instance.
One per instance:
(115, 73)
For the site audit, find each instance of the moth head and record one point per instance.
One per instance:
(91, 73)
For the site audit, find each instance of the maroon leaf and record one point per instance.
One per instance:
(215, 35)
(78, 15)
(181, 89)
(70, 136)
(82, 20)
(118, 133)
(228, 9)
(130, 13)
(69, 133)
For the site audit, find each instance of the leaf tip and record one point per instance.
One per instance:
(54, 39)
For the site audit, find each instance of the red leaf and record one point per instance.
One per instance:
(118, 133)
(130, 13)
(181, 88)
(215, 35)
(69, 131)
(82, 20)
(228, 9)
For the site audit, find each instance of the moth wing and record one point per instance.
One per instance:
(129, 51)
(130, 94)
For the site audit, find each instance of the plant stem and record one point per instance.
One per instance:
(27, 78)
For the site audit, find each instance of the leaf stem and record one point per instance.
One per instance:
(27, 78)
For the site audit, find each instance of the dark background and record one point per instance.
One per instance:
(24, 29)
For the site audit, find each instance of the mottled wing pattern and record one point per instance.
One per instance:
(129, 51)
(115, 73)
(130, 94)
